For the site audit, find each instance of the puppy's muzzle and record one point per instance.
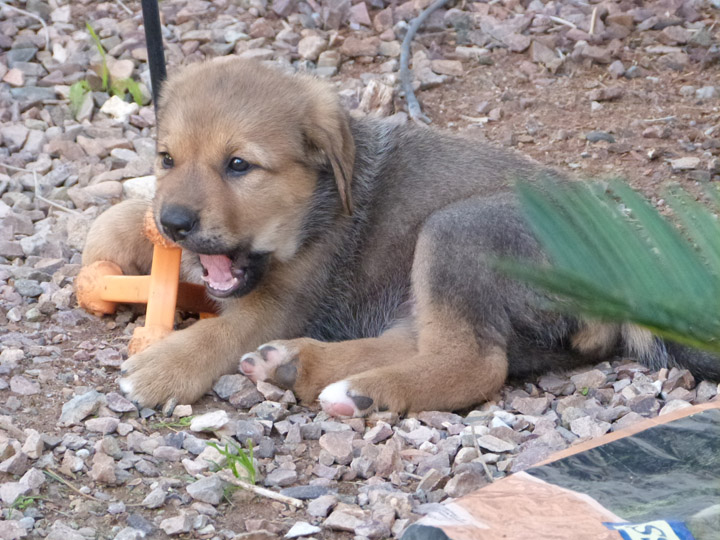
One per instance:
(178, 222)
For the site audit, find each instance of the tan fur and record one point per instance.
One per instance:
(596, 339)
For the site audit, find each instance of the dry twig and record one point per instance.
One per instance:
(228, 477)
(37, 189)
(593, 20)
(414, 109)
(33, 16)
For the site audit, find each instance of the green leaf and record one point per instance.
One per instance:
(104, 71)
(78, 91)
(613, 257)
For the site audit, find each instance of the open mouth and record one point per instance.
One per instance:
(234, 275)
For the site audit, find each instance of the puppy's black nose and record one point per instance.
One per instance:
(178, 221)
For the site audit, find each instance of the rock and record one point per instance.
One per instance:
(118, 403)
(23, 386)
(706, 92)
(302, 528)
(706, 390)
(494, 444)
(685, 163)
(128, 533)
(555, 384)
(60, 531)
(354, 47)
(120, 69)
(281, 478)
(601, 55)
(177, 525)
(606, 94)
(14, 77)
(542, 54)
(597, 136)
(269, 391)
(227, 385)
(339, 445)
(209, 490)
(118, 109)
(246, 398)
(310, 47)
(103, 469)
(14, 136)
(80, 407)
(464, 483)
(530, 406)
(345, 517)
(11, 529)
(321, 506)
(379, 433)
(154, 499)
(305, 492)
(104, 425)
(674, 405)
(334, 13)
(589, 379)
(283, 8)
(17, 463)
(447, 67)
(211, 421)
(586, 426)
(359, 14)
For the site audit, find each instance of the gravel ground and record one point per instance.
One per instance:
(611, 88)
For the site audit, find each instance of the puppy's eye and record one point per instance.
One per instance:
(238, 165)
(167, 161)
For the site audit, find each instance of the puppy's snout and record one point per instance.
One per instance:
(178, 221)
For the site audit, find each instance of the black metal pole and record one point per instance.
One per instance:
(154, 44)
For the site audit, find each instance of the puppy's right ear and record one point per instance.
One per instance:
(327, 131)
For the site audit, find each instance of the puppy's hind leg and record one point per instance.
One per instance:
(464, 319)
(117, 236)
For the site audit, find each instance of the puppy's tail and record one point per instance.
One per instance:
(657, 353)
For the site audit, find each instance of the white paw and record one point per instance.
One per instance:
(338, 399)
(126, 386)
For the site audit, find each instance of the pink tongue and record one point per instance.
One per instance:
(218, 269)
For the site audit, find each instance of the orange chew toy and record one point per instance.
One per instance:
(99, 287)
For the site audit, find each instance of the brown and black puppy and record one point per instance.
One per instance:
(361, 248)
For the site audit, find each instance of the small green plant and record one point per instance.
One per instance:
(23, 502)
(175, 425)
(119, 88)
(584, 391)
(235, 456)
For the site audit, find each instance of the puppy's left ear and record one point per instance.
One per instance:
(328, 131)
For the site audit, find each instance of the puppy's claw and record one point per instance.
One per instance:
(169, 407)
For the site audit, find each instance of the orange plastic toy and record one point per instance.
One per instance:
(101, 286)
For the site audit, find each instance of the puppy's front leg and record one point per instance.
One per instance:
(184, 365)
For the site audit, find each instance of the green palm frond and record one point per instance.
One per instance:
(614, 257)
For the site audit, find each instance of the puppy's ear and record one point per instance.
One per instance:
(327, 132)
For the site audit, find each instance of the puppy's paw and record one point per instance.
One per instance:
(341, 399)
(164, 375)
(275, 362)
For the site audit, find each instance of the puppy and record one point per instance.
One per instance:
(351, 257)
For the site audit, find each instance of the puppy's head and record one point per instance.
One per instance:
(240, 147)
